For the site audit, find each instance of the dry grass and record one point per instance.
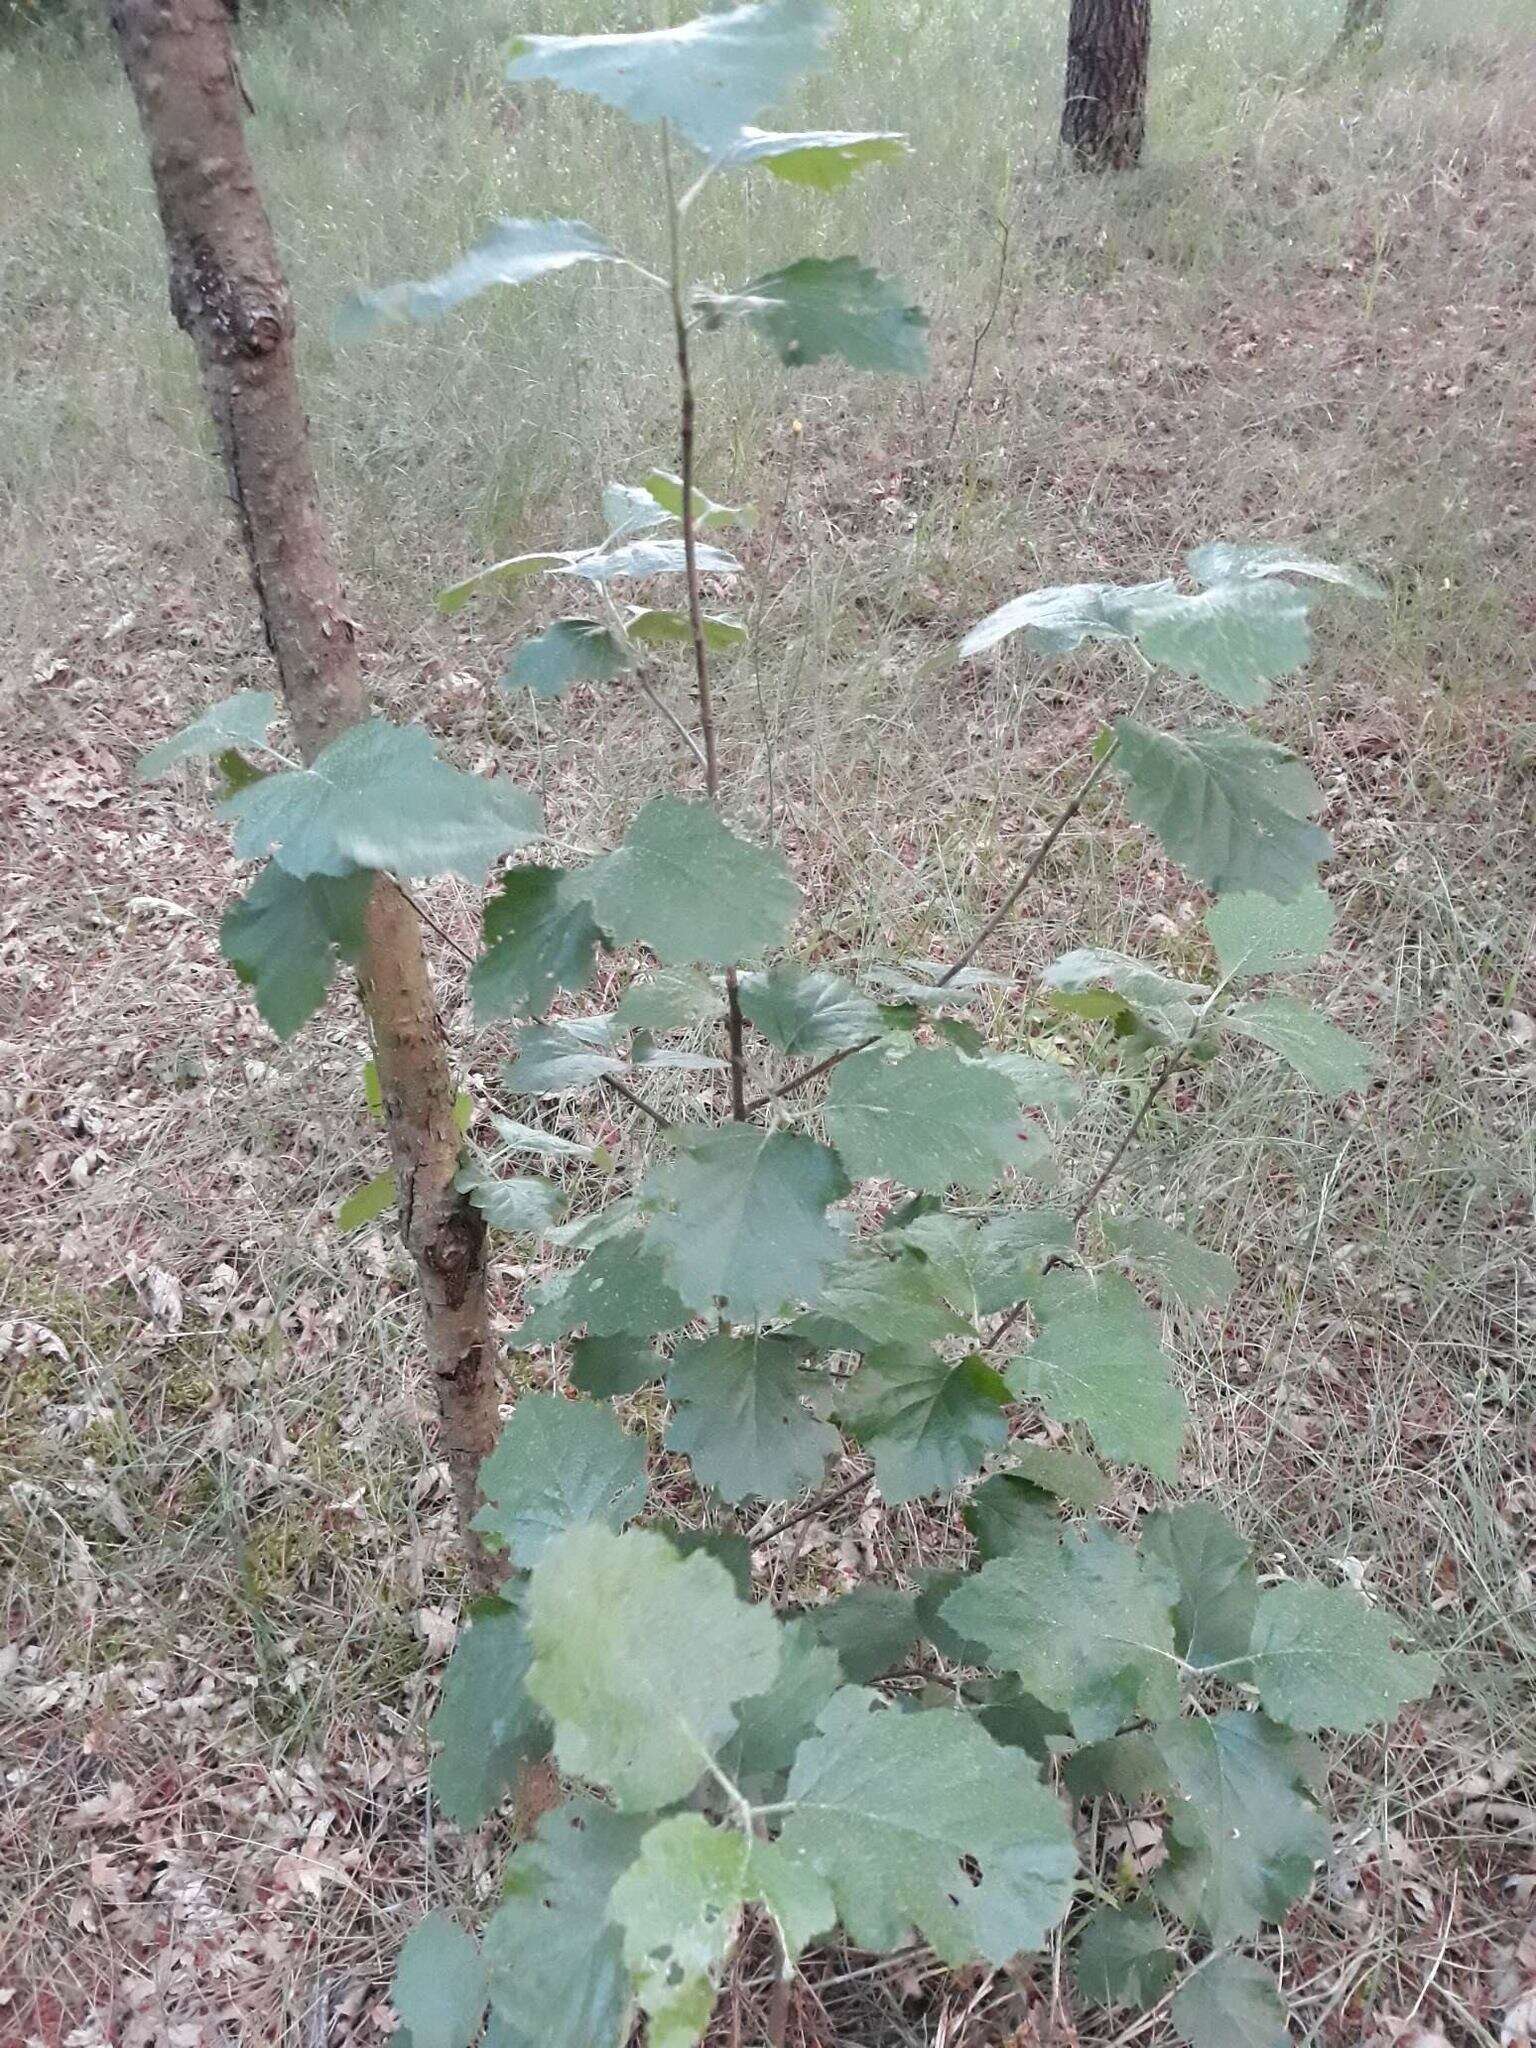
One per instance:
(229, 1583)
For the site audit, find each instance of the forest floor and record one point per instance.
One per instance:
(229, 1568)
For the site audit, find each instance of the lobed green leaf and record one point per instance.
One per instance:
(1184, 1271)
(1098, 1360)
(803, 1011)
(1326, 1058)
(839, 307)
(742, 1219)
(1230, 2002)
(514, 252)
(922, 1819)
(1218, 1587)
(928, 1118)
(1120, 1957)
(1244, 1838)
(486, 1723)
(1323, 1658)
(240, 721)
(640, 1657)
(539, 937)
(707, 77)
(687, 887)
(558, 1465)
(567, 651)
(1234, 810)
(379, 797)
(926, 1423)
(439, 1988)
(554, 1953)
(285, 935)
(1084, 1621)
(740, 1419)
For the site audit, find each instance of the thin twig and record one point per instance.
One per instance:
(1036, 861)
(687, 738)
(428, 919)
(811, 1507)
(736, 1029)
(822, 1066)
(755, 622)
(1172, 1061)
(981, 334)
(994, 923)
(637, 1102)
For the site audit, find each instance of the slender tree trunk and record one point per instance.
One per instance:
(1104, 114)
(1364, 26)
(229, 293)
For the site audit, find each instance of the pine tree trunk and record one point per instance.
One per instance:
(229, 294)
(1104, 114)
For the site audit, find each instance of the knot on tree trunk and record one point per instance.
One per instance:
(455, 1252)
(235, 318)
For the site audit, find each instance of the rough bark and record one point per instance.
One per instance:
(228, 292)
(1104, 113)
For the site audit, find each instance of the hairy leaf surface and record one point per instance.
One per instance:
(379, 797)
(1218, 1587)
(744, 1221)
(439, 1985)
(1254, 934)
(1234, 810)
(678, 1905)
(513, 252)
(930, 1118)
(897, 1812)
(620, 1289)
(1098, 1360)
(485, 1721)
(741, 1420)
(1326, 1058)
(1230, 2002)
(687, 887)
(1121, 1958)
(539, 937)
(1183, 1271)
(285, 935)
(517, 1203)
(926, 1423)
(803, 1011)
(567, 651)
(1084, 1621)
(240, 721)
(562, 1059)
(982, 1268)
(839, 307)
(708, 76)
(869, 1301)
(1244, 1837)
(554, 1952)
(558, 1464)
(1323, 1658)
(640, 1656)
(1156, 1002)
(869, 1629)
(606, 1367)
